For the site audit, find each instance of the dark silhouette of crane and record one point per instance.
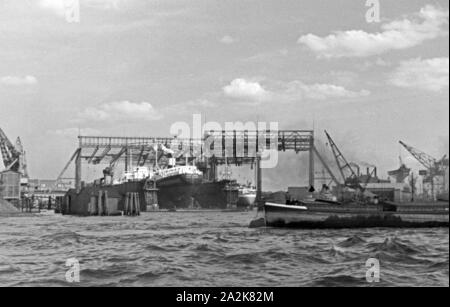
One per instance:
(13, 155)
(433, 166)
(351, 180)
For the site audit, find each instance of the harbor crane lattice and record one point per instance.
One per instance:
(13, 156)
(140, 151)
(434, 167)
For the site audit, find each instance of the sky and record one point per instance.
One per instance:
(135, 67)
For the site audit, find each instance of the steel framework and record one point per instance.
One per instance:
(215, 148)
(13, 156)
(434, 167)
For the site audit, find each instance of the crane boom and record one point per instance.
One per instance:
(434, 166)
(342, 163)
(426, 160)
(333, 177)
(10, 155)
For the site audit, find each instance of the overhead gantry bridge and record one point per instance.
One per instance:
(215, 148)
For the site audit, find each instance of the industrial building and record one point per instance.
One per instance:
(10, 187)
(16, 187)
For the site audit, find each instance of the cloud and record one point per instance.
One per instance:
(293, 91)
(227, 40)
(267, 56)
(429, 23)
(121, 111)
(60, 7)
(103, 4)
(191, 105)
(244, 89)
(73, 132)
(204, 103)
(17, 81)
(373, 64)
(57, 6)
(428, 74)
(297, 90)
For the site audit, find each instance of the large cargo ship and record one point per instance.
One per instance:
(220, 194)
(178, 187)
(184, 187)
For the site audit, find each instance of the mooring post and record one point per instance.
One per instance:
(258, 180)
(78, 168)
(311, 161)
(127, 159)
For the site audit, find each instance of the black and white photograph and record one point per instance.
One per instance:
(223, 151)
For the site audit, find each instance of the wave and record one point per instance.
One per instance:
(354, 240)
(340, 280)
(9, 270)
(220, 239)
(336, 251)
(214, 249)
(393, 245)
(154, 247)
(63, 236)
(46, 282)
(107, 272)
(439, 267)
(204, 248)
(245, 258)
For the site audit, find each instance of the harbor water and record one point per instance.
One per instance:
(213, 249)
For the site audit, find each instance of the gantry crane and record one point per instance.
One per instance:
(433, 166)
(13, 155)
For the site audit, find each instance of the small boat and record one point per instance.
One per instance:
(247, 197)
(316, 213)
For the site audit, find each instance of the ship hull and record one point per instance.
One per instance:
(245, 201)
(311, 216)
(216, 195)
(178, 191)
(184, 191)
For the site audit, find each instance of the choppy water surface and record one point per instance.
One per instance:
(213, 249)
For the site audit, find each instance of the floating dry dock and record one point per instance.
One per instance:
(327, 214)
(129, 198)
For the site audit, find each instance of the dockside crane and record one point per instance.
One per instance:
(433, 166)
(13, 156)
(351, 180)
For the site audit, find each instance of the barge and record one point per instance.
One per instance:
(316, 213)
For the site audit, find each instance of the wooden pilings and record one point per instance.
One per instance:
(98, 204)
(132, 204)
(26, 205)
